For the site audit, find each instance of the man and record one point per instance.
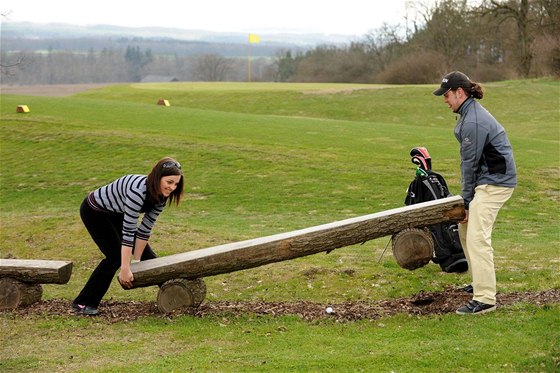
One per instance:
(488, 177)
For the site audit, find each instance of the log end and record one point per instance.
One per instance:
(64, 273)
(180, 293)
(413, 248)
(15, 293)
(456, 214)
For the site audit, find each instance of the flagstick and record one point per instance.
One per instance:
(249, 61)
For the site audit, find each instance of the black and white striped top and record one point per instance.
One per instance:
(126, 195)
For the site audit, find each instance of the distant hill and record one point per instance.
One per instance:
(33, 36)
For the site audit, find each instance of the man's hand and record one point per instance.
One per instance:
(466, 219)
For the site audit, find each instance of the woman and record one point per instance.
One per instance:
(111, 214)
(488, 177)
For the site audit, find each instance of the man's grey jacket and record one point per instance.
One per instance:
(486, 153)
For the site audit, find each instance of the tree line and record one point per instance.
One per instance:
(493, 40)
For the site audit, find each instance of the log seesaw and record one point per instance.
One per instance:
(180, 276)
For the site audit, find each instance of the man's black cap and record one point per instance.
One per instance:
(453, 80)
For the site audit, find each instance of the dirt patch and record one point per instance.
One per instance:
(49, 90)
(423, 303)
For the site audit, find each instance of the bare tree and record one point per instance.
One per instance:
(531, 18)
(6, 62)
(447, 30)
(384, 45)
(212, 68)
(5, 67)
(548, 31)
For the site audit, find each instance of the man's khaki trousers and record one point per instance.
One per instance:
(476, 238)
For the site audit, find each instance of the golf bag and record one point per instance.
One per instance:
(427, 186)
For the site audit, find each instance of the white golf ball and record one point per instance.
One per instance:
(328, 310)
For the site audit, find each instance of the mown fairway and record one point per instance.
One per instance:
(262, 159)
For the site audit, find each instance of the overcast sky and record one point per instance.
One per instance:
(349, 17)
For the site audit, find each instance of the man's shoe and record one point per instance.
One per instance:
(468, 289)
(84, 310)
(475, 307)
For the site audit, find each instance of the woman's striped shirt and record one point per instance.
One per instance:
(126, 195)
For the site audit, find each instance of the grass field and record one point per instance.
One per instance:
(262, 159)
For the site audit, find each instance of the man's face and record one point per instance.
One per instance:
(454, 99)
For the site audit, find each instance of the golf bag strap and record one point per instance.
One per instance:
(427, 184)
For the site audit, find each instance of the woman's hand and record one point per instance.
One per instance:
(126, 278)
(125, 275)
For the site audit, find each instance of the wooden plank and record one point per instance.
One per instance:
(285, 246)
(36, 271)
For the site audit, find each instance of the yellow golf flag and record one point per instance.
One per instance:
(254, 39)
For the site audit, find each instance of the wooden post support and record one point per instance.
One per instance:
(413, 248)
(285, 246)
(14, 293)
(179, 293)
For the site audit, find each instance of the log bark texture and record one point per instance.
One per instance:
(178, 293)
(15, 293)
(260, 251)
(36, 271)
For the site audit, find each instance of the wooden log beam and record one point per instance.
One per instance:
(285, 246)
(36, 271)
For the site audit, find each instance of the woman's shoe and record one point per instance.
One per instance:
(84, 310)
